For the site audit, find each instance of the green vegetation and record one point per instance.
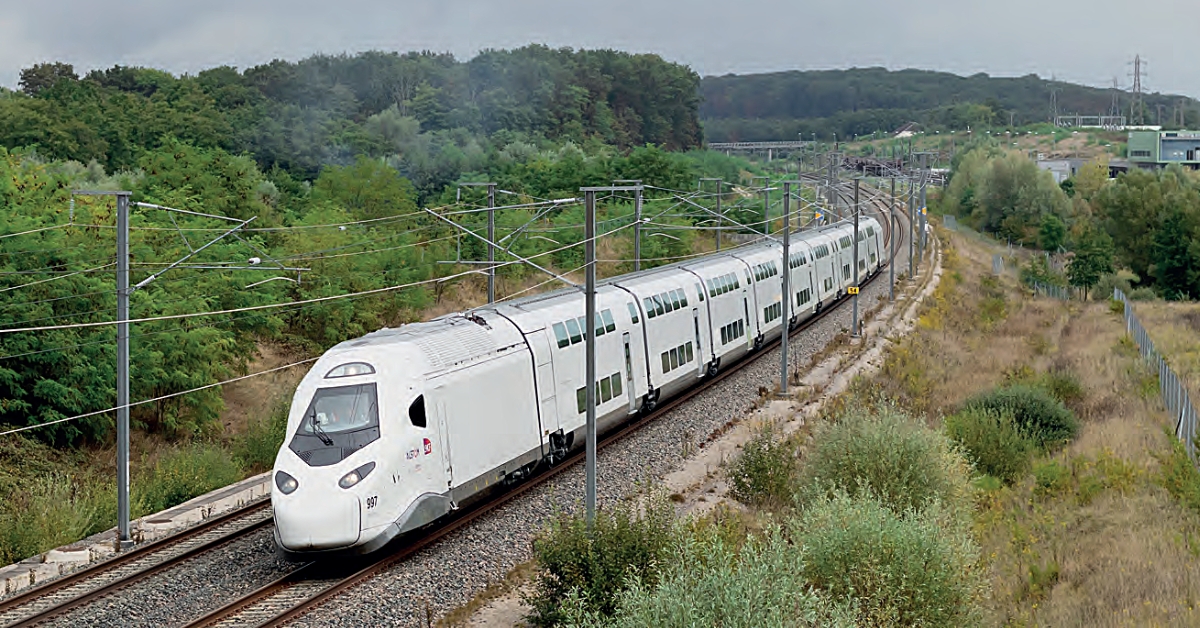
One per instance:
(1039, 416)
(594, 567)
(894, 568)
(883, 453)
(431, 115)
(763, 475)
(710, 583)
(992, 441)
(861, 101)
(874, 531)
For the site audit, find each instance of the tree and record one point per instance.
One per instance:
(1175, 264)
(1052, 232)
(45, 75)
(1092, 260)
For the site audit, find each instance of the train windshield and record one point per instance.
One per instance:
(338, 422)
(341, 409)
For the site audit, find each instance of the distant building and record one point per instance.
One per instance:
(1158, 149)
(907, 130)
(1062, 169)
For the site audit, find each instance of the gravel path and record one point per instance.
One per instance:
(188, 591)
(451, 572)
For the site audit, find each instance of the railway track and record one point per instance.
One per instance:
(48, 601)
(311, 584)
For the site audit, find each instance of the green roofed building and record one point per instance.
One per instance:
(1158, 149)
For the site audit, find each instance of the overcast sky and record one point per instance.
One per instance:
(1082, 41)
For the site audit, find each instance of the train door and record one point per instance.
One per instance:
(700, 365)
(545, 382)
(629, 390)
(749, 336)
(443, 429)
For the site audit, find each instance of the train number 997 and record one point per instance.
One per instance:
(372, 501)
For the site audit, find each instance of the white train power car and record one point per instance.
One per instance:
(391, 431)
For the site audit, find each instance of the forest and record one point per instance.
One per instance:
(430, 116)
(862, 101)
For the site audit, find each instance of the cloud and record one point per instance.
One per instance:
(1075, 40)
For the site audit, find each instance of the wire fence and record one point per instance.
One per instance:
(1171, 387)
(1062, 293)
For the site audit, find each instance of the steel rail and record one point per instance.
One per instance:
(307, 594)
(72, 591)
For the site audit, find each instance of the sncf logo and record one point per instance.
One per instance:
(428, 447)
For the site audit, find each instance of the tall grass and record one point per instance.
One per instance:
(184, 473)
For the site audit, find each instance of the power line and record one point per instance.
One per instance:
(160, 398)
(13, 235)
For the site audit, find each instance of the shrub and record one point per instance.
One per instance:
(1050, 477)
(763, 474)
(184, 473)
(992, 442)
(711, 583)
(257, 447)
(596, 566)
(885, 453)
(896, 569)
(1040, 416)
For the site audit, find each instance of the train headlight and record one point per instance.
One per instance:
(356, 476)
(286, 483)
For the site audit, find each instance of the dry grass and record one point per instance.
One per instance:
(1089, 538)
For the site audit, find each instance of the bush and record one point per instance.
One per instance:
(900, 461)
(594, 567)
(905, 569)
(1040, 416)
(763, 474)
(992, 442)
(711, 583)
(256, 449)
(184, 473)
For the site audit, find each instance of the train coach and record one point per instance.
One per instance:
(389, 432)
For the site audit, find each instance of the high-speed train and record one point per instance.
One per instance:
(391, 431)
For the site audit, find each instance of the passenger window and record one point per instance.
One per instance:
(605, 390)
(682, 298)
(633, 314)
(582, 325)
(616, 385)
(609, 324)
(674, 358)
(573, 329)
(600, 331)
(581, 399)
(688, 349)
(666, 360)
(416, 411)
(649, 308)
(675, 300)
(658, 306)
(700, 292)
(560, 333)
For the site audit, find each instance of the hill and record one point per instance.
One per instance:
(864, 100)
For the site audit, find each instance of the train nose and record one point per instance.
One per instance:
(317, 517)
